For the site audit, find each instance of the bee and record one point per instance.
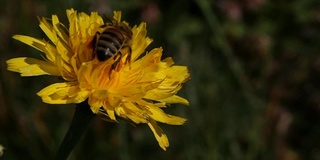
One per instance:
(111, 41)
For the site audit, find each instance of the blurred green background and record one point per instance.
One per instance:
(254, 91)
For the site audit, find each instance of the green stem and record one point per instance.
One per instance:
(81, 119)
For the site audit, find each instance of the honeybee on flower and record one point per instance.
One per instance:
(109, 43)
(115, 75)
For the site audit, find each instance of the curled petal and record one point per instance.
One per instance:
(32, 67)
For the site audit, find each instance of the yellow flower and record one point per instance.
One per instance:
(135, 91)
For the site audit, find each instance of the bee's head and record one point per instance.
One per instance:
(125, 29)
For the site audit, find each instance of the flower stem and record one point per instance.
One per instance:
(81, 119)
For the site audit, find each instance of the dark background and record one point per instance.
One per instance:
(254, 88)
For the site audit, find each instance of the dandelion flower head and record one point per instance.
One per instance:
(136, 91)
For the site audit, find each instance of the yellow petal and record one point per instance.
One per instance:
(73, 23)
(159, 134)
(32, 67)
(135, 91)
(38, 44)
(47, 28)
(104, 116)
(70, 11)
(175, 77)
(178, 73)
(117, 15)
(111, 114)
(159, 115)
(60, 29)
(95, 104)
(139, 40)
(63, 93)
(134, 118)
(65, 69)
(150, 102)
(173, 99)
(131, 111)
(64, 51)
(168, 61)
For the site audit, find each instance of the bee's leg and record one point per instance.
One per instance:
(117, 59)
(128, 60)
(108, 18)
(102, 26)
(115, 64)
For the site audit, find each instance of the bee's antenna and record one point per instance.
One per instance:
(108, 18)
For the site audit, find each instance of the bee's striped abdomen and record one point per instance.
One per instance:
(109, 43)
(113, 40)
